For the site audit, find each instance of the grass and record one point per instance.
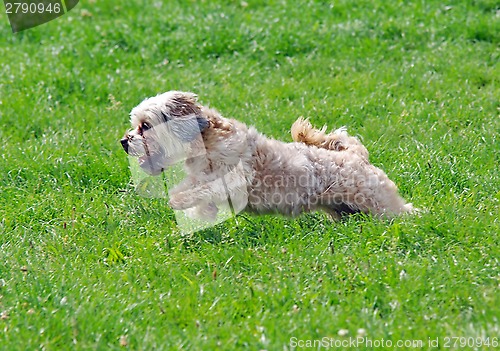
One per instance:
(86, 263)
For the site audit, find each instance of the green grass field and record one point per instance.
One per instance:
(88, 264)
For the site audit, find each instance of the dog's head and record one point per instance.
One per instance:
(165, 129)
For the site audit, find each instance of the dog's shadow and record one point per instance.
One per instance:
(248, 231)
(241, 230)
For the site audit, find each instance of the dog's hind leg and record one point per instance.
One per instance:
(367, 190)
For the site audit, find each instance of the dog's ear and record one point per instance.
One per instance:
(203, 123)
(189, 128)
(181, 104)
(186, 97)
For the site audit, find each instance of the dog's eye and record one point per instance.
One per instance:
(145, 126)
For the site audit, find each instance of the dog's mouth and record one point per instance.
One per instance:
(155, 162)
(148, 156)
(152, 163)
(154, 156)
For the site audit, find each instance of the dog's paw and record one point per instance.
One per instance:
(180, 201)
(209, 211)
(205, 212)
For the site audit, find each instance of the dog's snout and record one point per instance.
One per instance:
(124, 142)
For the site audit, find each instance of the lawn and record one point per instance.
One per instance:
(88, 264)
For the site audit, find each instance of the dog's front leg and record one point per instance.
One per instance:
(186, 184)
(204, 211)
(216, 191)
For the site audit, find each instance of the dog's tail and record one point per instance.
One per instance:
(338, 140)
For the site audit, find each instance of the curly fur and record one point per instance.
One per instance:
(318, 171)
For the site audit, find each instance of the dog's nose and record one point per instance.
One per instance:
(124, 142)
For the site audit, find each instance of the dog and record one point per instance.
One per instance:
(226, 159)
